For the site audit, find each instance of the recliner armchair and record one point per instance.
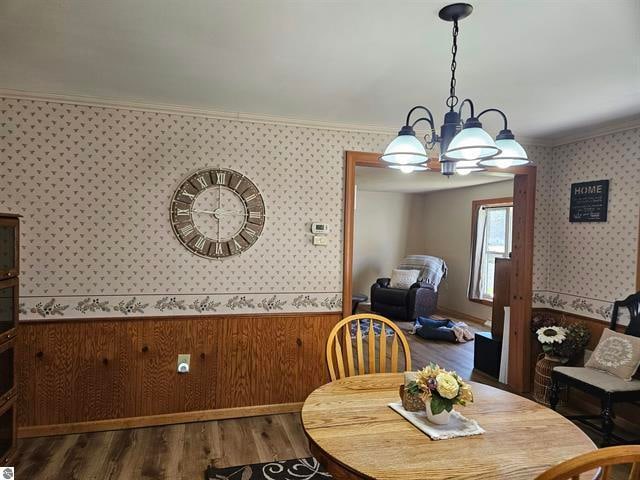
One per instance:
(403, 304)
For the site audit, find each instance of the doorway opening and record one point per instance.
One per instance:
(424, 204)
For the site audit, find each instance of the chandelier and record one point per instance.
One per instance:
(464, 146)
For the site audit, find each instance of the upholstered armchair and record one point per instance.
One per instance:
(403, 304)
(609, 389)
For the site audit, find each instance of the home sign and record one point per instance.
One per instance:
(589, 201)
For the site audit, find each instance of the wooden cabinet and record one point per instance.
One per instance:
(501, 295)
(9, 286)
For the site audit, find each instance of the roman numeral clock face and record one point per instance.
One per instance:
(217, 213)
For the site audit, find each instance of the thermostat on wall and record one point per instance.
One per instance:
(319, 228)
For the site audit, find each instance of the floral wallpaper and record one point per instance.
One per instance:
(94, 186)
(583, 267)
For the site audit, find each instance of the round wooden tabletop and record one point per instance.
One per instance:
(355, 435)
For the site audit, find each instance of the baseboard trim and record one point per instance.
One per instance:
(448, 312)
(156, 420)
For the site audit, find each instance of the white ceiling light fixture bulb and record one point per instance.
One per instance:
(457, 144)
(465, 167)
(409, 168)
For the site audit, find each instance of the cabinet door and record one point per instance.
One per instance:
(7, 432)
(7, 370)
(9, 247)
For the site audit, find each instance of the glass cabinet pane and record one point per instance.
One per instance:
(7, 248)
(7, 308)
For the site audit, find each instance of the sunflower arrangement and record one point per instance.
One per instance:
(441, 388)
(560, 338)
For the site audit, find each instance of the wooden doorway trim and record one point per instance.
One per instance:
(524, 192)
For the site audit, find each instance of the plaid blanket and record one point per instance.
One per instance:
(432, 269)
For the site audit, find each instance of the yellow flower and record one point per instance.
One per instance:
(466, 395)
(447, 385)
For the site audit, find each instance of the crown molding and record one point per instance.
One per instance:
(545, 141)
(599, 130)
(193, 111)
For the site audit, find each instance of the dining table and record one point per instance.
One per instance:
(354, 434)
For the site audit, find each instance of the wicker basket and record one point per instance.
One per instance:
(411, 403)
(542, 381)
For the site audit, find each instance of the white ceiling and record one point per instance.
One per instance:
(374, 179)
(553, 66)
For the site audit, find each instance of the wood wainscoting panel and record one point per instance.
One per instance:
(75, 371)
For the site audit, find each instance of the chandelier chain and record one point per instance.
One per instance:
(452, 101)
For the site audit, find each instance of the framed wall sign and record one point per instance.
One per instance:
(589, 201)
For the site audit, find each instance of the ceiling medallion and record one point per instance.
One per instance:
(465, 147)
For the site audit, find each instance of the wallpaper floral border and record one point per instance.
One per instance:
(48, 308)
(565, 302)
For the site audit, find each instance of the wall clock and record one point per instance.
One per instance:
(217, 213)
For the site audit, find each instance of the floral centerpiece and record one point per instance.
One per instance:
(559, 339)
(440, 390)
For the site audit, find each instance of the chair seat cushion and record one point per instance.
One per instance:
(600, 379)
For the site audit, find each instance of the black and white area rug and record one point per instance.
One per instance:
(296, 469)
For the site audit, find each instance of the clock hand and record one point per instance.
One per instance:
(210, 212)
(230, 213)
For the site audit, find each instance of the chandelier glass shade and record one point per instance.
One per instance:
(472, 143)
(465, 146)
(405, 149)
(512, 154)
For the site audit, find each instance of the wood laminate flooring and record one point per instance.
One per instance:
(182, 452)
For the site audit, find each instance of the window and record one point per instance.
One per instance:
(491, 239)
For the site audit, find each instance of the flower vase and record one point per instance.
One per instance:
(441, 418)
(556, 359)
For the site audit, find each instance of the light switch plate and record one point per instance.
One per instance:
(184, 362)
(319, 240)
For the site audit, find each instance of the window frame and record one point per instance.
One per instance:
(475, 208)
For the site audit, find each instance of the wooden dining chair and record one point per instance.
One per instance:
(376, 331)
(604, 458)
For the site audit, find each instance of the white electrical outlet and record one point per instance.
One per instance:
(184, 360)
(320, 240)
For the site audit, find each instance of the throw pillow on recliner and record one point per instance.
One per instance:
(403, 278)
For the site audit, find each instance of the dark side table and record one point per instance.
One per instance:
(356, 299)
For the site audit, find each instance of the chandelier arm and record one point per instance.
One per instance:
(424, 119)
(430, 143)
(504, 117)
(418, 107)
(471, 107)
